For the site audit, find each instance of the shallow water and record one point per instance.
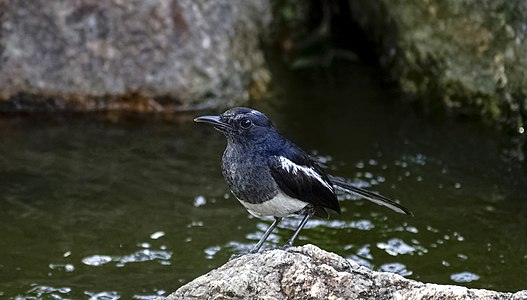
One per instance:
(135, 206)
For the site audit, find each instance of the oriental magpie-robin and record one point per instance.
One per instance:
(271, 176)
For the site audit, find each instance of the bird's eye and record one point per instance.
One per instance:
(246, 123)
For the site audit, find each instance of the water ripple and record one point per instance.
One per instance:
(103, 295)
(157, 235)
(46, 292)
(145, 255)
(396, 268)
(141, 255)
(464, 277)
(96, 260)
(62, 267)
(397, 246)
(211, 251)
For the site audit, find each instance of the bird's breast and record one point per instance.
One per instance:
(248, 177)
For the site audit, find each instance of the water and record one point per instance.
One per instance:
(130, 207)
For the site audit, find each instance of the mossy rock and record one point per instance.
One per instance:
(470, 55)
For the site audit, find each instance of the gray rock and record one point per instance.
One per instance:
(138, 55)
(470, 54)
(309, 272)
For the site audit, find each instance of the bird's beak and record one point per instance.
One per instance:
(213, 120)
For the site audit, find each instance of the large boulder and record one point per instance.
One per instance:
(471, 54)
(138, 55)
(309, 272)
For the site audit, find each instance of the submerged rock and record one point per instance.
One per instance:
(471, 54)
(137, 55)
(309, 272)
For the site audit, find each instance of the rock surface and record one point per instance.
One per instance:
(137, 55)
(308, 272)
(471, 54)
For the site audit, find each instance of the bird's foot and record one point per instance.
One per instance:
(286, 246)
(238, 255)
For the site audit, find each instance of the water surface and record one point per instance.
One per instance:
(131, 207)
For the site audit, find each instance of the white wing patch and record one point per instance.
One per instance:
(291, 167)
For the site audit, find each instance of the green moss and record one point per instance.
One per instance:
(469, 54)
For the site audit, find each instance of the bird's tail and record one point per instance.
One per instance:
(341, 184)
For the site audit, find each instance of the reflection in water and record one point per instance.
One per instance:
(397, 246)
(464, 277)
(133, 209)
(158, 234)
(396, 268)
(42, 292)
(162, 256)
(96, 260)
(103, 295)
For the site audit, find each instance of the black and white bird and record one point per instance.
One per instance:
(271, 176)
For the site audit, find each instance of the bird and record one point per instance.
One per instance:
(272, 177)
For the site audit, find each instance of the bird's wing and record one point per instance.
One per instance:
(298, 177)
(375, 198)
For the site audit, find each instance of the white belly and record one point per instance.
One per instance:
(280, 206)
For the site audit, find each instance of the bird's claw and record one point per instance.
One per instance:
(238, 255)
(286, 246)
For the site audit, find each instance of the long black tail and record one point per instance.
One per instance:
(341, 184)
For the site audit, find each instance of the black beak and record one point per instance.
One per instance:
(214, 121)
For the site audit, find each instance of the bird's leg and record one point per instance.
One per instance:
(266, 235)
(302, 224)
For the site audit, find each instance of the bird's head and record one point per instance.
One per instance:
(241, 125)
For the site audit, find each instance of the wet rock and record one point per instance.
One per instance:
(470, 54)
(136, 55)
(309, 272)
